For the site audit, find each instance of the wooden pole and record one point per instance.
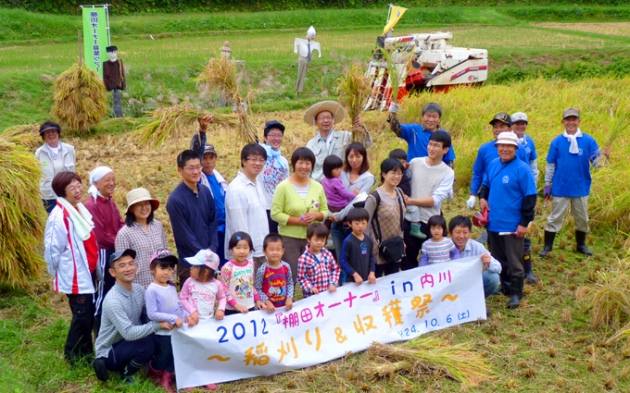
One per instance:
(80, 46)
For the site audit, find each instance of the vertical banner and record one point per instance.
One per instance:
(95, 36)
(327, 326)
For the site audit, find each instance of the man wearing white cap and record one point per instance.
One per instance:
(526, 145)
(107, 223)
(324, 115)
(509, 193)
(568, 179)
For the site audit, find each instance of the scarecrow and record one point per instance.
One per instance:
(305, 48)
(114, 78)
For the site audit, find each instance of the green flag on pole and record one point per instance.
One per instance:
(95, 36)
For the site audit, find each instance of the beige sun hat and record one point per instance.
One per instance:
(140, 195)
(226, 47)
(331, 106)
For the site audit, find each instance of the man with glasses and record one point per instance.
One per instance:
(125, 342)
(192, 212)
(276, 168)
(245, 203)
(324, 115)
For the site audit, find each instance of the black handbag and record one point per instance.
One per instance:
(393, 249)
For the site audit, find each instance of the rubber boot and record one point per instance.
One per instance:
(100, 368)
(517, 292)
(505, 283)
(549, 238)
(580, 238)
(165, 382)
(129, 371)
(155, 375)
(527, 264)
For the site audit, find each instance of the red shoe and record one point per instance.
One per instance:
(165, 382)
(212, 386)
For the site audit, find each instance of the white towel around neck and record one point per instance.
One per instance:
(573, 148)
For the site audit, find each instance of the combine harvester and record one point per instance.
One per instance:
(423, 62)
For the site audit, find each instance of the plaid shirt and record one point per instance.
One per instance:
(144, 243)
(317, 273)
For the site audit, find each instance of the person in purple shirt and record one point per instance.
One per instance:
(192, 212)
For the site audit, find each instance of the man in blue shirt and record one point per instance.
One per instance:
(211, 178)
(526, 145)
(509, 193)
(192, 212)
(417, 135)
(568, 179)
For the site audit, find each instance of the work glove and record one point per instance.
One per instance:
(394, 108)
(547, 191)
(470, 203)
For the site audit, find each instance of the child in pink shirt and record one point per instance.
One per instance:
(336, 194)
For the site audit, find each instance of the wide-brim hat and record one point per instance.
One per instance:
(226, 47)
(140, 195)
(331, 106)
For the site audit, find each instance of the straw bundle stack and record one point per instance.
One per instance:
(354, 89)
(177, 121)
(26, 135)
(219, 76)
(80, 100)
(22, 217)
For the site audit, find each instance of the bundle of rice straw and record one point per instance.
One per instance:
(219, 76)
(177, 121)
(22, 216)
(354, 89)
(80, 100)
(429, 356)
(26, 135)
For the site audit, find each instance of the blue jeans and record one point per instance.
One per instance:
(163, 359)
(490, 283)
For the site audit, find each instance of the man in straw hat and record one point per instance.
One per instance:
(114, 78)
(568, 179)
(509, 193)
(324, 115)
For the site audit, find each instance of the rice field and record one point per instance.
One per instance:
(612, 28)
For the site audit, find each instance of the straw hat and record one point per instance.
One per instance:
(226, 47)
(140, 195)
(331, 106)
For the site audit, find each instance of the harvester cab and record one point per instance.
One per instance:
(422, 61)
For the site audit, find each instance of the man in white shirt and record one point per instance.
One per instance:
(245, 203)
(431, 183)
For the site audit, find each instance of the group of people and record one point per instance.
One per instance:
(241, 246)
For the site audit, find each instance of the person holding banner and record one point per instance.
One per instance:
(509, 193)
(460, 228)
(124, 343)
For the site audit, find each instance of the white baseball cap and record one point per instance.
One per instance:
(204, 257)
(519, 116)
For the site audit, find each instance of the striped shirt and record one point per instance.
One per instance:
(122, 319)
(437, 252)
(144, 243)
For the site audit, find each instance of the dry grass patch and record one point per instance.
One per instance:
(611, 28)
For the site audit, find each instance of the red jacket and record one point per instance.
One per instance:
(107, 220)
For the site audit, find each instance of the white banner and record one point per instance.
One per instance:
(329, 325)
